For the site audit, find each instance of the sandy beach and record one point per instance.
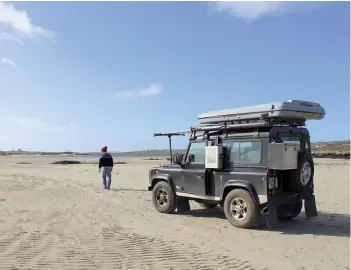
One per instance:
(59, 217)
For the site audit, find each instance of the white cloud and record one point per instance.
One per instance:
(252, 10)
(6, 36)
(152, 90)
(10, 62)
(26, 125)
(20, 22)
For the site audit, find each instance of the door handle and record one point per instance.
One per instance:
(200, 176)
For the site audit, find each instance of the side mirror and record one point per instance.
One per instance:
(191, 158)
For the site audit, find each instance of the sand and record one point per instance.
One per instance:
(59, 217)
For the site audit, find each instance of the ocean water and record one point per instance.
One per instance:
(44, 160)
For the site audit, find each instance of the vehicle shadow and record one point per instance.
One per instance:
(326, 224)
(128, 189)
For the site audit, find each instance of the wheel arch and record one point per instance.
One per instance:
(162, 178)
(241, 184)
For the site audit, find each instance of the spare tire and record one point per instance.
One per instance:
(304, 172)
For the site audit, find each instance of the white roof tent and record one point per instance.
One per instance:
(287, 110)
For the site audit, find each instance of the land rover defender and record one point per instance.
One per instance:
(253, 161)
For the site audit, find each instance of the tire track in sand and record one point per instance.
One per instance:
(91, 246)
(112, 248)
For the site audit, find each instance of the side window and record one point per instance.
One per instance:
(248, 152)
(197, 149)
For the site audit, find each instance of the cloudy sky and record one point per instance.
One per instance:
(76, 76)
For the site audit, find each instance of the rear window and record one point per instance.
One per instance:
(302, 144)
(292, 139)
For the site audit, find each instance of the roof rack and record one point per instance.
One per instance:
(169, 135)
(249, 124)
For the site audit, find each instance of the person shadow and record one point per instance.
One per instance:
(325, 224)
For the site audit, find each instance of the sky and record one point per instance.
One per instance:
(77, 76)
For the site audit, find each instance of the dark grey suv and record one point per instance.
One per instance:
(245, 185)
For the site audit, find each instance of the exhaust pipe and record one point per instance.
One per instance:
(265, 210)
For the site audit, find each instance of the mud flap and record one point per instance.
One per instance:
(183, 205)
(310, 206)
(272, 215)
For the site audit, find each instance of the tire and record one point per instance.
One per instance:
(288, 212)
(240, 200)
(304, 173)
(164, 198)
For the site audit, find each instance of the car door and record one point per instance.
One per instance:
(247, 163)
(193, 174)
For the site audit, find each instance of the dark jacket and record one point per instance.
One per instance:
(105, 160)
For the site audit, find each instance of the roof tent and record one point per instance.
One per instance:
(291, 109)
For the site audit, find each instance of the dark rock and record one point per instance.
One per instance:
(331, 155)
(24, 163)
(65, 162)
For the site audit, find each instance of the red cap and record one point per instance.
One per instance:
(104, 149)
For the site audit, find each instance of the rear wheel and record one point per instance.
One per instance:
(290, 211)
(239, 209)
(163, 198)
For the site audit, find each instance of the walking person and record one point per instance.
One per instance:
(106, 166)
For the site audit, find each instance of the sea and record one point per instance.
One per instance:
(91, 158)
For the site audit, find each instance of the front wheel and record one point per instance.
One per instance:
(239, 209)
(163, 198)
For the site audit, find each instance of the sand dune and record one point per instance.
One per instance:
(59, 217)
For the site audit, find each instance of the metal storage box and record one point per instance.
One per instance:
(282, 156)
(213, 158)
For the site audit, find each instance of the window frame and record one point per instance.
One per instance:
(238, 162)
(186, 159)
